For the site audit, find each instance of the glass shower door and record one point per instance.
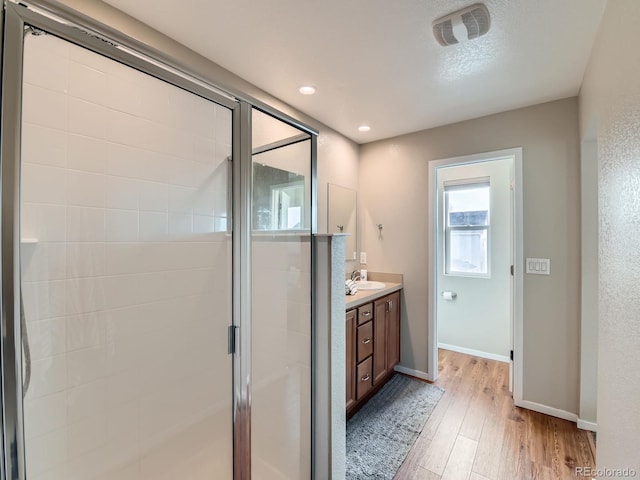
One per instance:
(281, 301)
(126, 268)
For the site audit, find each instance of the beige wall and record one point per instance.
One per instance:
(338, 163)
(393, 190)
(610, 100)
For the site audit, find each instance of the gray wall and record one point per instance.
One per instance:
(393, 190)
(610, 100)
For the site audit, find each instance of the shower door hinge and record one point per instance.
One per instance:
(231, 332)
(511, 355)
(512, 270)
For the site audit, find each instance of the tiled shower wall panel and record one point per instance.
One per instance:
(281, 357)
(127, 290)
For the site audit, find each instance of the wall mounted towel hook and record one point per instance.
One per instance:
(379, 225)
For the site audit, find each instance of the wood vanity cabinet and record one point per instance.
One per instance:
(373, 348)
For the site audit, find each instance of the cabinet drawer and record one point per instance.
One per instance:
(365, 313)
(365, 341)
(364, 380)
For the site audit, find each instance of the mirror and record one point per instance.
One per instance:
(278, 199)
(342, 216)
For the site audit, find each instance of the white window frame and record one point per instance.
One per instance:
(465, 185)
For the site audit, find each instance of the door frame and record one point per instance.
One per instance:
(517, 280)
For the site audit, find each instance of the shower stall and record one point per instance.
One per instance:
(156, 277)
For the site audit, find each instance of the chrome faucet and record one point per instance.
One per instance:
(355, 275)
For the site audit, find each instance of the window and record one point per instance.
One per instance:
(467, 225)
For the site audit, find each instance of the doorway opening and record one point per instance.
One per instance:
(476, 247)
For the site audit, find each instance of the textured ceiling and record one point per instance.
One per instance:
(377, 62)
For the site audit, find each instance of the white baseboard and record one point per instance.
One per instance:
(475, 353)
(585, 425)
(414, 373)
(554, 412)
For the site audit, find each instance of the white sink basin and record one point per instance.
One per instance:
(369, 285)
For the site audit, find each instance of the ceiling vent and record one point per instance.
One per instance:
(466, 24)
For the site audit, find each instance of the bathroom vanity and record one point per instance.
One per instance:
(372, 342)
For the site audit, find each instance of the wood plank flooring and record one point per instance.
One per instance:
(476, 433)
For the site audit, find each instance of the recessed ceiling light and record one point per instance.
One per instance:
(307, 90)
(364, 128)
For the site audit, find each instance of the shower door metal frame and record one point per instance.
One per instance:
(68, 24)
(78, 31)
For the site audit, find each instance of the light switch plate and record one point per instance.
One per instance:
(538, 266)
(363, 258)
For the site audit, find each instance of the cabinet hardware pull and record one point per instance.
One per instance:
(366, 340)
(365, 378)
(366, 314)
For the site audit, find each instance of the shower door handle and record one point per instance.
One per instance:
(231, 339)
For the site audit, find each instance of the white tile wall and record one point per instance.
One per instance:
(43, 300)
(47, 223)
(85, 260)
(87, 154)
(84, 224)
(45, 108)
(43, 184)
(127, 292)
(86, 330)
(48, 338)
(45, 146)
(49, 262)
(48, 375)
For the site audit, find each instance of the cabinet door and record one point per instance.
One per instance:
(351, 358)
(379, 340)
(393, 330)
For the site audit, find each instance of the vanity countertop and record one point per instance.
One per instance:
(366, 296)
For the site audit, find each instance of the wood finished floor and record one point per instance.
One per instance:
(476, 433)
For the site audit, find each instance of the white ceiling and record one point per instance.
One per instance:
(377, 62)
